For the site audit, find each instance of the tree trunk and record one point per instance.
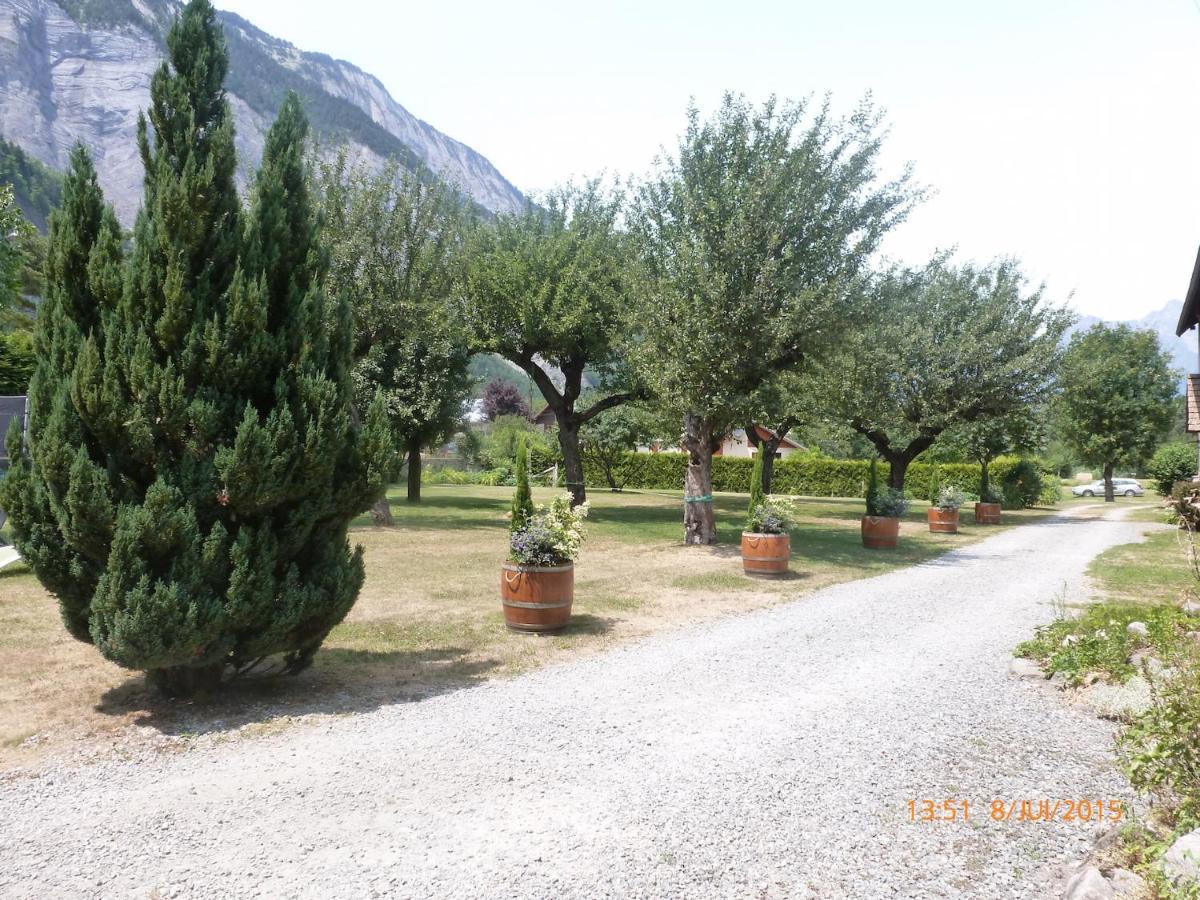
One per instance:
(568, 442)
(1109, 494)
(186, 681)
(381, 512)
(768, 450)
(414, 474)
(699, 524)
(985, 479)
(897, 469)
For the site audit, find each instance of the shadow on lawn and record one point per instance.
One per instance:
(445, 511)
(341, 681)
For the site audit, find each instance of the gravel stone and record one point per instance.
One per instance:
(778, 748)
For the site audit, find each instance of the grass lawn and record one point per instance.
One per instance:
(429, 619)
(1144, 581)
(1153, 572)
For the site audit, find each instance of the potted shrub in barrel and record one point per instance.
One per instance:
(885, 506)
(766, 544)
(987, 509)
(537, 583)
(943, 511)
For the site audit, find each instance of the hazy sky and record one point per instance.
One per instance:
(1060, 131)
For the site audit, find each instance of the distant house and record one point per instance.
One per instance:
(545, 419)
(11, 408)
(736, 443)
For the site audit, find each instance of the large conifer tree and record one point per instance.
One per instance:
(192, 464)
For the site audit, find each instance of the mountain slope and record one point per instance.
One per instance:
(37, 189)
(79, 70)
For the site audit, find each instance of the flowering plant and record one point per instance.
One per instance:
(887, 502)
(552, 536)
(949, 498)
(774, 515)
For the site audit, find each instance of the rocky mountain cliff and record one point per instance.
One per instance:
(79, 70)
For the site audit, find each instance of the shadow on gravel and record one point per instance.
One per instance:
(340, 682)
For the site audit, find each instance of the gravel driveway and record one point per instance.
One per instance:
(766, 755)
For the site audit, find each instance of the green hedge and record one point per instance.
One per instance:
(811, 476)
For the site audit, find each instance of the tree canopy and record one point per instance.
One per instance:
(550, 289)
(1118, 397)
(396, 245)
(939, 347)
(751, 233)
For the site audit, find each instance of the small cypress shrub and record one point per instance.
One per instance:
(873, 488)
(522, 504)
(934, 488)
(756, 489)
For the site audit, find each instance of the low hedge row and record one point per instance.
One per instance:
(811, 476)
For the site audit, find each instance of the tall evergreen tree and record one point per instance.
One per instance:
(192, 465)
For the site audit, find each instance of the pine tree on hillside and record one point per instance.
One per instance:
(211, 465)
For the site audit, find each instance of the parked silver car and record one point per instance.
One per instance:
(1130, 487)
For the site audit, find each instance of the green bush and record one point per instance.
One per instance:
(1161, 748)
(1172, 463)
(1021, 485)
(1051, 490)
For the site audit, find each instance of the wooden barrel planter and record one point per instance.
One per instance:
(943, 521)
(537, 598)
(765, 554)
(987, 513)
(880, 532)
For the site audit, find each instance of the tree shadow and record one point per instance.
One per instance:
(586, 623)
(444, 511)
(340, 681)
(782, 577)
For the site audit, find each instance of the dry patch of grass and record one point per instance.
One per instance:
(428, 619)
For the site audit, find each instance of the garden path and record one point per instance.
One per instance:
(767, 755)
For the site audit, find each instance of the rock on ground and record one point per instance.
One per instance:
(1119, 701)
(1181, 864)
(768, 755)
(1089, 884)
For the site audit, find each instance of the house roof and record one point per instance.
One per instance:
(1190, 315)
(766, 434)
